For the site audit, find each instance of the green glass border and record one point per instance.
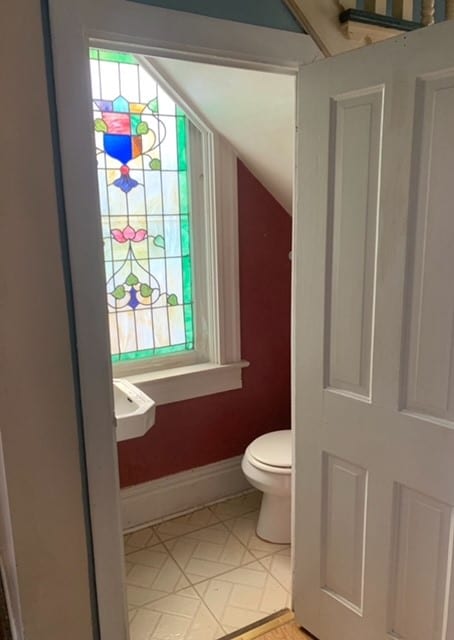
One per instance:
(184, 192)
(149, 353)
(188, 322)
(186, 261)
(185, 234)
(182, 143)
(111, 56)
(187, 279)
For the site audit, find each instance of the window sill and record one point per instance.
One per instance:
(193, 381)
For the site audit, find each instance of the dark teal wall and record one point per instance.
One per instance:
(265, 13)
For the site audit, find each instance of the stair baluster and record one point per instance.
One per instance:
(428, 12)
(449, 9)
(376, 6)
(403, 9)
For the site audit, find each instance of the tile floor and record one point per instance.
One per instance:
(203, 575)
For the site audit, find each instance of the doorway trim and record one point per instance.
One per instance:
(165, 33)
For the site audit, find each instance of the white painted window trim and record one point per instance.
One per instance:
(176, 34)
(190, 381)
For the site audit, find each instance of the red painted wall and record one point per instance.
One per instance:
(196, 432)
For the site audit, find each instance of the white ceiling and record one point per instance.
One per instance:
(254, 110)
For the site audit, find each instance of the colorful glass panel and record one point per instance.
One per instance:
(141, 148)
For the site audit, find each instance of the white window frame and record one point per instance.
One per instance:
(215, 364)
(178, 34)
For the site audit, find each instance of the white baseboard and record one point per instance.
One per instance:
(152, 501)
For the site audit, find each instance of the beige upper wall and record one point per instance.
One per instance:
(38, 425)
(253, 110)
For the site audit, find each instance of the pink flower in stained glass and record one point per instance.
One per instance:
(129, 233)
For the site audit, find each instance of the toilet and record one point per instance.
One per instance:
(267, 464)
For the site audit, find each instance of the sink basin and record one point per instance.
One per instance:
(134, 410)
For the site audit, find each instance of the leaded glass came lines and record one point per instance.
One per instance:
(142, 153)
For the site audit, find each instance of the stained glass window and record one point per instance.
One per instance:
(141, 138)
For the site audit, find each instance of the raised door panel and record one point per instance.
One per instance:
(420, 568)
(343, 531)
(354, 182)
(429, 324)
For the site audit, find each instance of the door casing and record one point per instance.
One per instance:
(156, 32)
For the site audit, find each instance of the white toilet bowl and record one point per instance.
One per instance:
(267, 464)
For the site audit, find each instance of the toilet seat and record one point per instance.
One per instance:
(272, 452)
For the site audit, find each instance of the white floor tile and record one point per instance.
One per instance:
(143, 625)
(244, 528)
(243, 596)
(140, 539)
(238, 578)
(131, 614)
(208, 552)
(139, 596)
(183, 616)
(171, 626)
(184, 603)
(154, 574)
(142, 576)
(152, 557)
(279, 565)
(185, 524)
(237, 506)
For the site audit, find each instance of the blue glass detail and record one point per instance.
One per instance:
(125, 183)
(104, 105)
(118, 146)
(121, 105)
(133, 302)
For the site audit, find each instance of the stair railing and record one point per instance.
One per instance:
(403, 9)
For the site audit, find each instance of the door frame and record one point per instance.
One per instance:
(165, 33)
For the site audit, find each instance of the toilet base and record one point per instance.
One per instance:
(274, 519)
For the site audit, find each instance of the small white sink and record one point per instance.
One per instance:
(134, 410)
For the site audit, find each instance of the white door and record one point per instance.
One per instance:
(374, 342)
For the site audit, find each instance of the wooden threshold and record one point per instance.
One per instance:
(261, 629)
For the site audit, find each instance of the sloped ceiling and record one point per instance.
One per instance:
(254, 110)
